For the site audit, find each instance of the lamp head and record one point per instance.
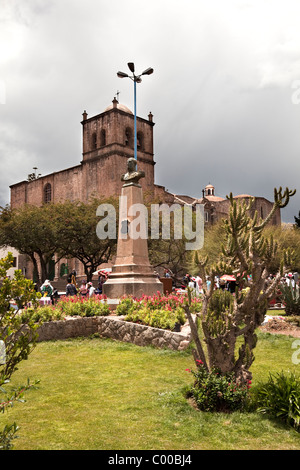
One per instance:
(122, 75)
(148, 71)
(131, 66)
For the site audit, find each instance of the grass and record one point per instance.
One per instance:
(99, 394)
(275, 312)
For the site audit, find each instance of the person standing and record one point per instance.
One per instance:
(199, 283)
(47, 289)
(70, 288)
(73, 277)
(91, 289)
(83, 290)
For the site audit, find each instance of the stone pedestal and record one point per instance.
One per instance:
(132, 273)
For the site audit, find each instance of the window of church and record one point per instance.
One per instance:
(128, 137)
(94, 141)
(47, 193)
(140, 141)
(102, 138)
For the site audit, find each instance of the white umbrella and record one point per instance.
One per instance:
(104, 270)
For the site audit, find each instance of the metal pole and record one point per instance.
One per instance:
(135, 136)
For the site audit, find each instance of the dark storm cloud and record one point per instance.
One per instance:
(221, 92)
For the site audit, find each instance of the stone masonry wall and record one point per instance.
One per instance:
(115, 328)
(69, 328)
(142, 335)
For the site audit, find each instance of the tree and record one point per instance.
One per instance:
(227, 320)
(169, 250)
(62, 230)
(76, 233)
(170, 254)
(212, 248)
(17, 340)
(32, 231)
(285, 236)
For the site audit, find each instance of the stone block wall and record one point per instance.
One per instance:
(70, 328)
(142, 335)
(114, 328)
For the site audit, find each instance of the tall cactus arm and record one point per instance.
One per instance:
(282, 199)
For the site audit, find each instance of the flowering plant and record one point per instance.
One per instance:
(86, 307)
(158, 310)
(157, 318)
(215, 392)
(68, 307)
(157, 301)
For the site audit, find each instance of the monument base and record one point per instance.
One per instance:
(131, 280)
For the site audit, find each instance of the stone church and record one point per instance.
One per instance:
(107, 143)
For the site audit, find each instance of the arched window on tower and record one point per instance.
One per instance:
(47, 193)
(94, 141)
(128, 137)
(209, 190)
(102, 138)
(140, 141)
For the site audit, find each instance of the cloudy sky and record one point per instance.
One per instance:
(225, 93)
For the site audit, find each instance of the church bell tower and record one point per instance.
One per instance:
(108, 139)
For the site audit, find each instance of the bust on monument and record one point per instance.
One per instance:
(132, 177)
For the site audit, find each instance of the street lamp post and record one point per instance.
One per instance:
(136, 79)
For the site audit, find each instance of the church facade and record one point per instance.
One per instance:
(107, 143)
(217, 208)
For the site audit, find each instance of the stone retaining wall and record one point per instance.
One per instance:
(70, 328)
(142, 335)
(115, 328)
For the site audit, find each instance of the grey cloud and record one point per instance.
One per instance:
(221, 102)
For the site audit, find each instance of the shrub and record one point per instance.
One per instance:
(94, 307)
(291, 299)
(89, 307)
(66, 306)
(280, 397)
(41, 314)
(157, 318)
(172, 303)
(126, 305)
(215, 392)
(7, 436)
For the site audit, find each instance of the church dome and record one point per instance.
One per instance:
(209, 190)
(116, 104)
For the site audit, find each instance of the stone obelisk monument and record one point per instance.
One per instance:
(132, 273)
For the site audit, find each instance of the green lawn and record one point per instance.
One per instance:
(105, 395)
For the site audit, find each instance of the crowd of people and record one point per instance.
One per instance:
(229, 283)
(84, 289)
(87, 289)
(196, 283)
